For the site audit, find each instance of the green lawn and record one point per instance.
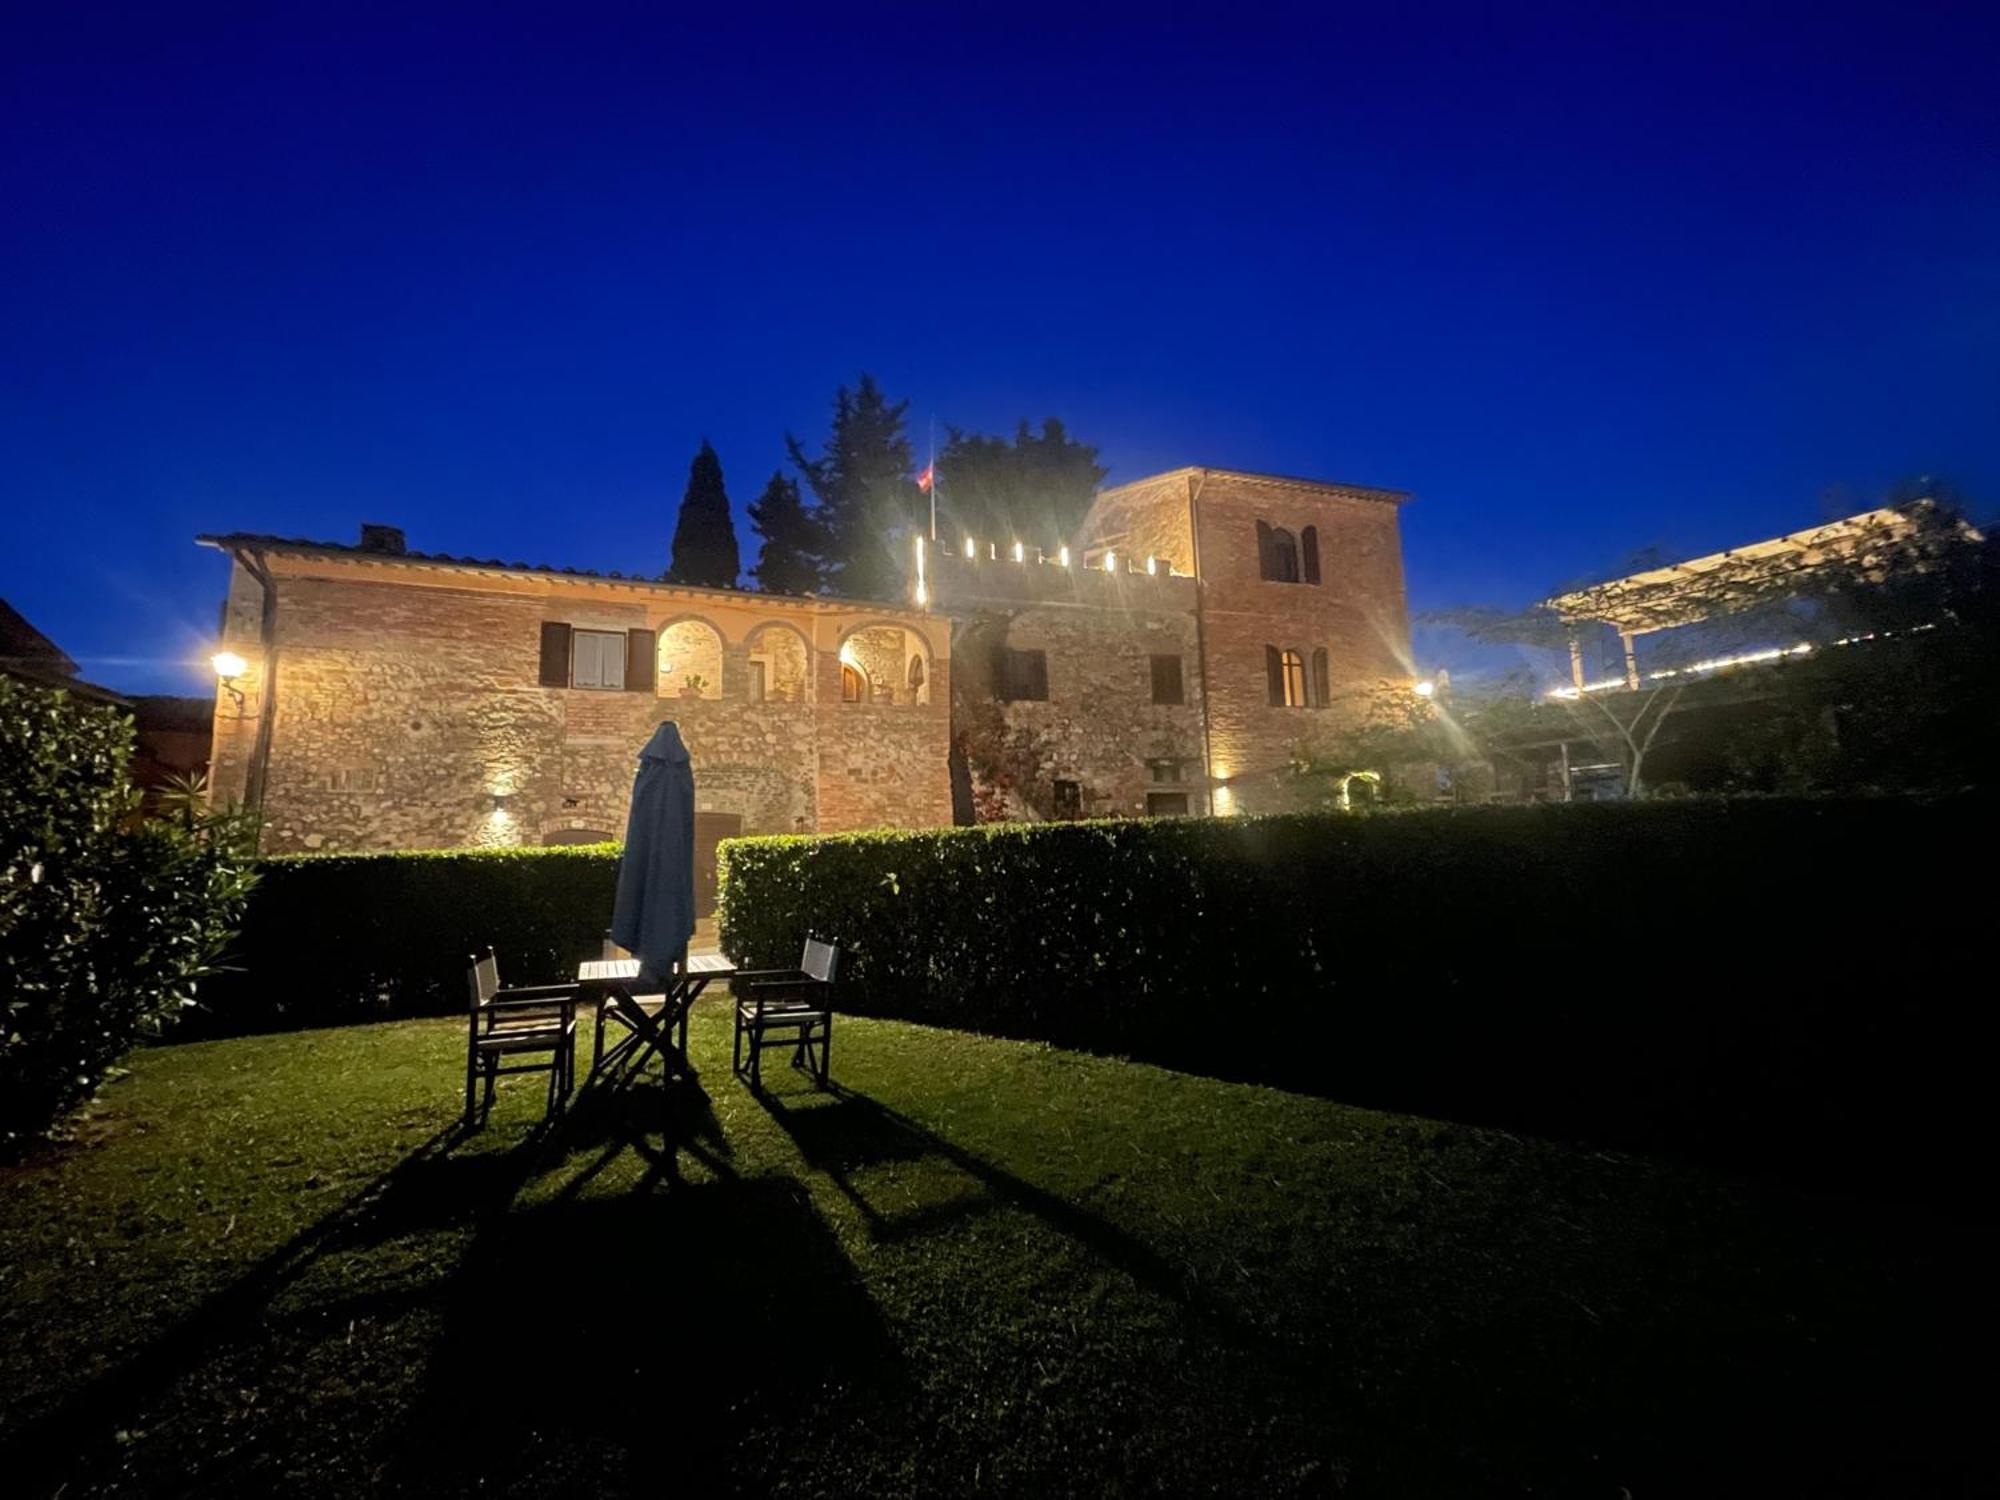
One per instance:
(264, 1267)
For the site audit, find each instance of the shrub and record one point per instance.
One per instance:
(106, 924)
(1677, 972)
(351, 937)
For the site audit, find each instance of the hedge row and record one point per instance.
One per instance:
(1727, 975)
(349, 937)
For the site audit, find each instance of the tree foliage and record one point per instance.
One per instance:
(1035, 489)
(106, 922)
(705, 551)
(867, 505)
(1889, 638)
(788, 561)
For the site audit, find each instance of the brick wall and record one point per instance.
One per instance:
(1099, 727)
(1356, 612)
(409, 713)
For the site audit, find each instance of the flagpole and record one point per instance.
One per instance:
(932, 471)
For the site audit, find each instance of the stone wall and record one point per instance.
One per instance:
(1099, 727)
(409, 714)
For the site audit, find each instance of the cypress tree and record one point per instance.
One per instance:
(705, 537)
(788, 562)
(867, 501)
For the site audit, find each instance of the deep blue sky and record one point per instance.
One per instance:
(1583, 281)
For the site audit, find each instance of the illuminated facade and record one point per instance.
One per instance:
(1201, 630)
(1204, 630)
(394, 700)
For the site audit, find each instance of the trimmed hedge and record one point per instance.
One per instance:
(107, 924)
(330, 938)
(1712, 974)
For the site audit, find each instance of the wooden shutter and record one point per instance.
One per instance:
(1320, 686)
(1309, 554)
(1038, 676)
(1266, 566)
(555, 654)
(1167, 680)
(1274, 673)
(640, 660)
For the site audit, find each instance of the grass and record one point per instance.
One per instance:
(265, 1266)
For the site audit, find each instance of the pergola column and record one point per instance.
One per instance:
(1626, 638)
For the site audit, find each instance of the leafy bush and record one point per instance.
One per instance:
(1691, 972)
(106, 923)
(351, 937)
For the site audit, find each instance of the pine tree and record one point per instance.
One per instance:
(867, 503)
(788, 562)
(705, 537)
(1033, 490)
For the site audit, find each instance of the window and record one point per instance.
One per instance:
(1165, 770)
(605, 659)
(1278, 554)
(1166, 804)
(1319, 679)
(853, 686)
(597, 659)
(1021, 676)
(1285, 675)
(1309, 554)
(1167, 680)
(1068, 802)
(916, 677)
(759, 679)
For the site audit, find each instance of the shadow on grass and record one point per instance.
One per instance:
(627, 1343)
(845, 1133)
(602, 1341)
(430, 1187)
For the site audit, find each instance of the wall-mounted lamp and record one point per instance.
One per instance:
(229, 667)
(1425, 689)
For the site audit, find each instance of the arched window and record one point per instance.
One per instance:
(1309, 554)
(690, 655)
(1285, 673)
(853, 685)
(916, 676)
(1284, 556)
(1320, 684)
(780, 665)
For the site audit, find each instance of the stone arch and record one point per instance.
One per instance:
(690, 646)
(786, 658)
(577, 835)
(894, 660)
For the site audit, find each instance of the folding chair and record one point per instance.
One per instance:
(516, 1023)
(787, 1008)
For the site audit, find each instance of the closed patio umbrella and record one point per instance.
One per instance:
(653, 916)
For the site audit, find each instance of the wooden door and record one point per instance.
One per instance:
(710, 829)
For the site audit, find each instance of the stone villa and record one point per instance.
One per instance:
(1174, 657)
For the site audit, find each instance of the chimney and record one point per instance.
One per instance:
(388, 539)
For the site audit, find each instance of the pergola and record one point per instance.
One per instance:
(1723, 583)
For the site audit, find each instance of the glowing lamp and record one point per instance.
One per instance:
(1020, 553)
(1062, 556)
(1152, 565)
(971, 548)
(1425, 688)
(228, 665)
(1111, 562)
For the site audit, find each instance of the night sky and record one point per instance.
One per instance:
(1583, 282)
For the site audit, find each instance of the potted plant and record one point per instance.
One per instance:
(693, 684)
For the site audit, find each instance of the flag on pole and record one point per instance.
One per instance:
(927, 478)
